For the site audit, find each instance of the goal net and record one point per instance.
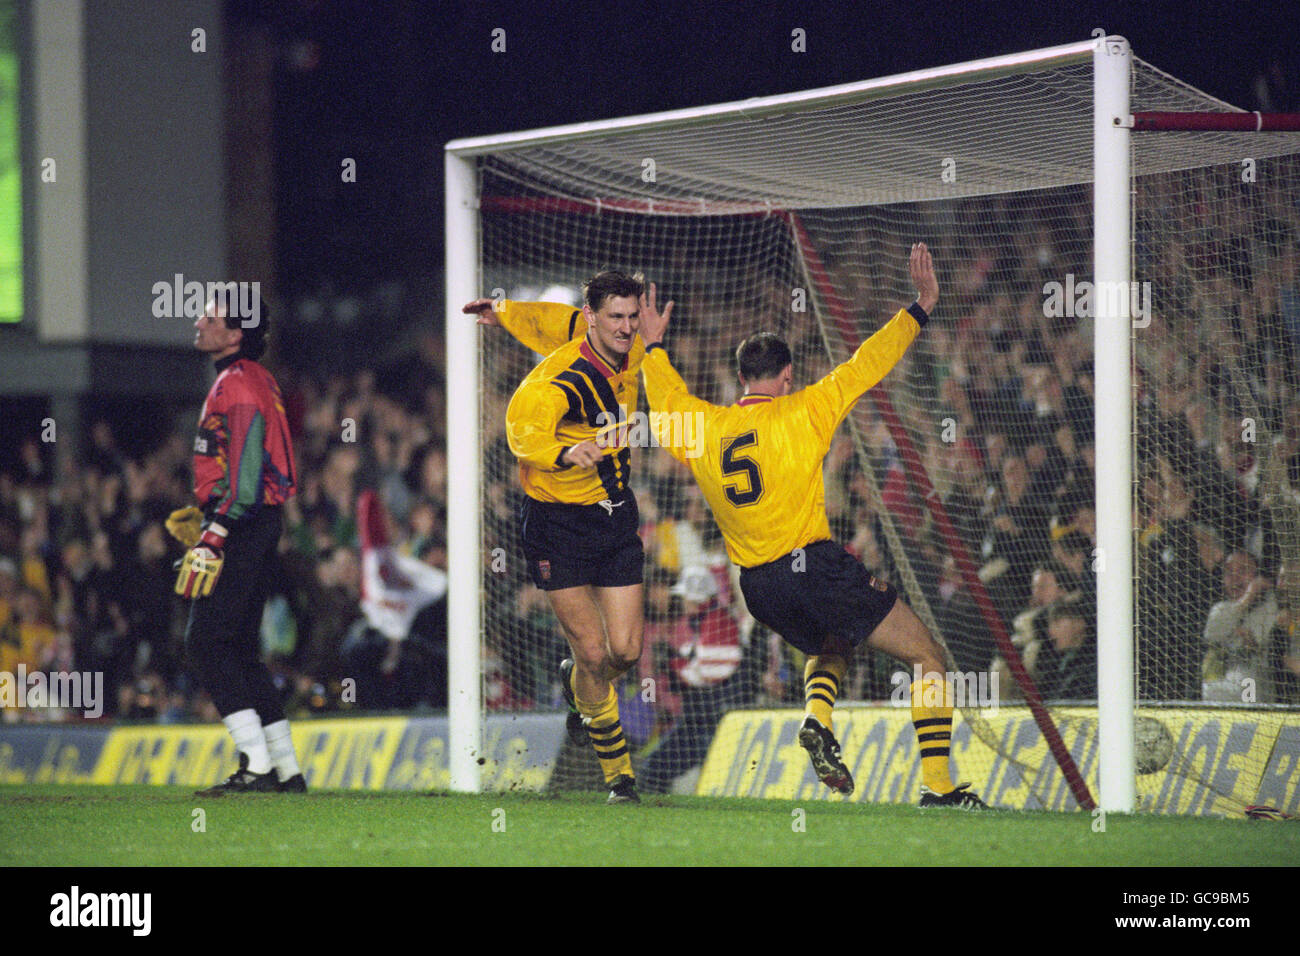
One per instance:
(967, 477)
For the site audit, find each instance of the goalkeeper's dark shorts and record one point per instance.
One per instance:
(816, 592)
(568, 546)
(223, 639)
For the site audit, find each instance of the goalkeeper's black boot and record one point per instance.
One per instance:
(824, 751)
(623, 790)
(295, 784)
(244, 780)
(961, 798)
(575, 724)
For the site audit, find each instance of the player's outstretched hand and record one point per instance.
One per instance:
(922, 268)
(484, 308)
(653, 326)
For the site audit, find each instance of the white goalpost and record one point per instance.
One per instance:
(1112, 225)
(464, 607)
(788, 212)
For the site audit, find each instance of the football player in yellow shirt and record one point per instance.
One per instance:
(761, 473)
(579, 522)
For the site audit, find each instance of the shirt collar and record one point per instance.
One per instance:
(592, 356)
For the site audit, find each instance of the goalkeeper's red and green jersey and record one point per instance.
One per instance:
(243, 455)
(573, 396)
(759, 461)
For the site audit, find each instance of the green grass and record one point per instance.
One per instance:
(145, 826)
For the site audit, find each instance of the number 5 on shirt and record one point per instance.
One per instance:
(735, 461)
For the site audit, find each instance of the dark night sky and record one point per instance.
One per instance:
(391, 88)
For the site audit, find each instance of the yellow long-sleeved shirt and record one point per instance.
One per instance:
(571, 397)
(760, 460)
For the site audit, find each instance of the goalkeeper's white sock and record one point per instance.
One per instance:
(246, 727)
(279, 743)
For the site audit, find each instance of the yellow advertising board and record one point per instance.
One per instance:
(518, 752)
(1217, 761)
(334, 754)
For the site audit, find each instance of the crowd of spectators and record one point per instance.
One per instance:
(86, 566)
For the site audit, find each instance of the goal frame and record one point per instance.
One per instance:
(1112, 224)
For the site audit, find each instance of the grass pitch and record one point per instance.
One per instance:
(158, 826)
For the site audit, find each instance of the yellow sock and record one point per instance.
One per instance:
(607, 736)
(821, 685)
(932, 718)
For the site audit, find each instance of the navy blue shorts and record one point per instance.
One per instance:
(568, 546)
(823, 592)
(223, 645)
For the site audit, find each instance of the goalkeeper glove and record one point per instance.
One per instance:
(201, 565)
(185, 525)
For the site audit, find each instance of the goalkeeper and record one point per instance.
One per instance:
(579, 521)
(243, 474)
(761, 472)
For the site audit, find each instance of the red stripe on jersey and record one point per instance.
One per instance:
(591, 355)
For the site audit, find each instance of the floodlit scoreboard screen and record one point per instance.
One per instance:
(11, 199)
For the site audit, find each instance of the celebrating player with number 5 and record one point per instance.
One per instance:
(761, 473)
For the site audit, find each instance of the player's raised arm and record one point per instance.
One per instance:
(541, 326)
(666, 393)
(830, 399)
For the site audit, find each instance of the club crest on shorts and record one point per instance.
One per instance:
(544, 568)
